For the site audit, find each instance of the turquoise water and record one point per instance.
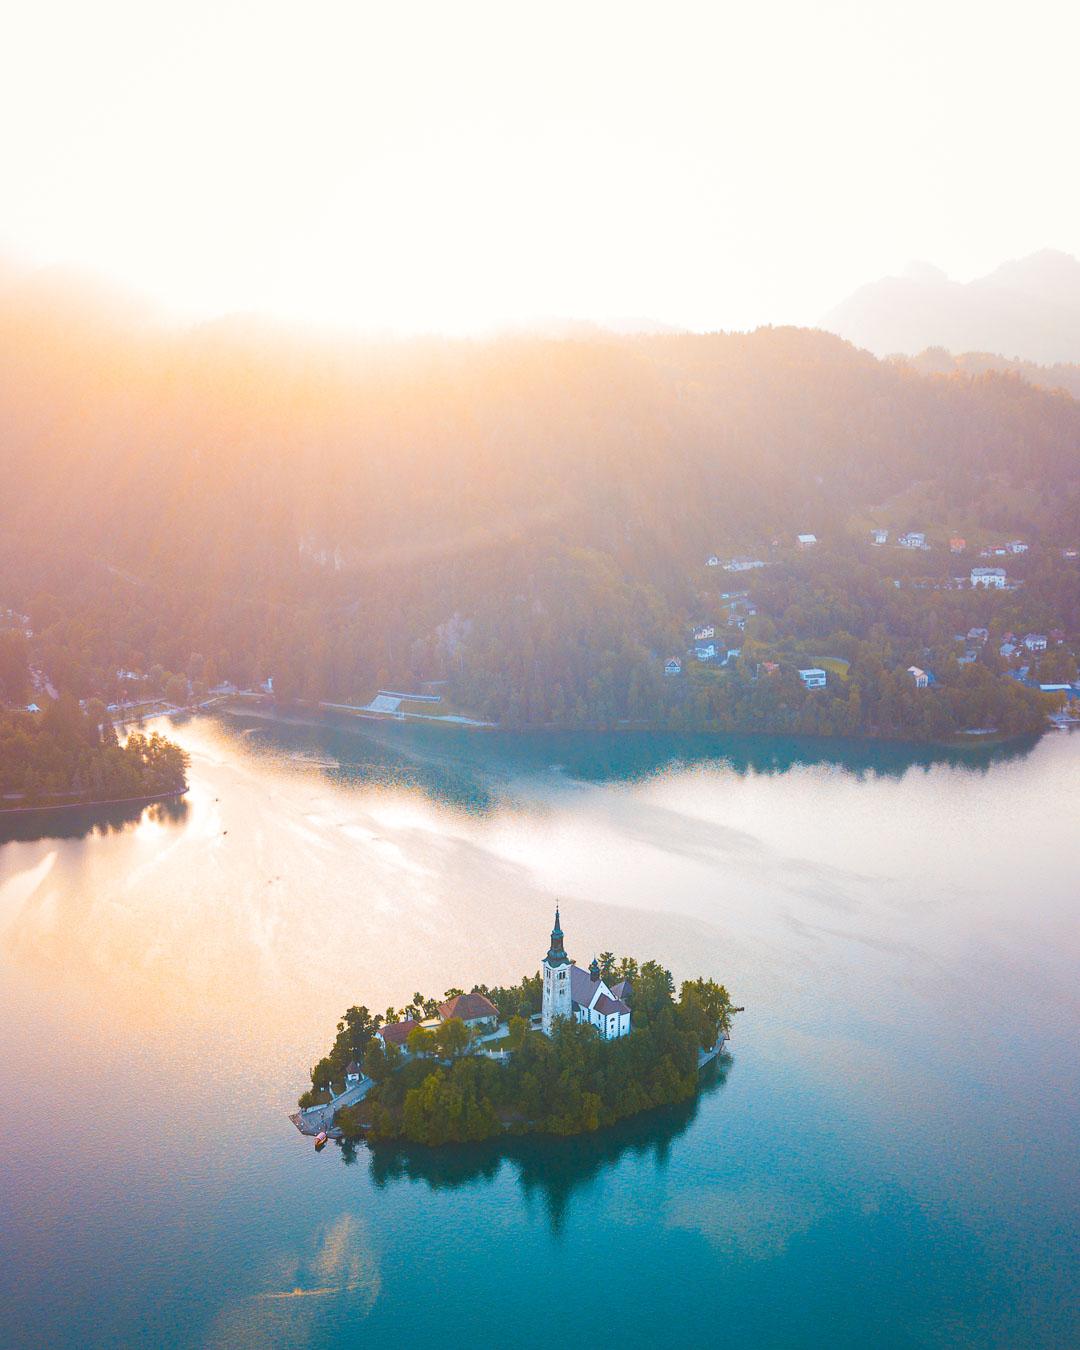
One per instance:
(888, 1157)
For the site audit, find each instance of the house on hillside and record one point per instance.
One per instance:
(712, 561)
(879, 536)
(582, 995)
(1035, 642)
(1016, 546)
(806, 540)
(352, 1074)
(397, 1033)
(920, 677)
(913, 539)
(978, 635)
(673, 666)
(705, 633)
(1008, 650)
(957, 545)
(705, 651)
(813, 677)
(476, 1010)
(742, 564)
(990, 578)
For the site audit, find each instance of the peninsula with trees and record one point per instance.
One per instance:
(67, 756)
(566, 1051)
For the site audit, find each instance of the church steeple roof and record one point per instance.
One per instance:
(557, 952)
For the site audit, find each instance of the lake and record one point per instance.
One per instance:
(889, 1156)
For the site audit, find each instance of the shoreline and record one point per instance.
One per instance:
(84, 806)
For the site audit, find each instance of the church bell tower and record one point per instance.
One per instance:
(555, 970)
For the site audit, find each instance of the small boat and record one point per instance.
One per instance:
(321, 1138)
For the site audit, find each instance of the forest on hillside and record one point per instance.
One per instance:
(523, 519)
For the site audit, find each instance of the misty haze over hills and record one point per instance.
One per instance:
(1028, 308)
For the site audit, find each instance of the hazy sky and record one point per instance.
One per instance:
(450, 165)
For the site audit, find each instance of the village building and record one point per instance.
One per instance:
(1016, 546)
(712, 561)
(705, 633)
(352, 1074)
(1035, 642)
(806, 540)
(879, 536)
(582, 995)
(476, 1010)
(990, 578)
(913, 539)
(920, 677)
(742, 564)
(813, 678)
(978, 634)
(673, 666)
(397, 1033)
(957, 545)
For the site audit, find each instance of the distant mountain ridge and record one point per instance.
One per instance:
(1027, 309)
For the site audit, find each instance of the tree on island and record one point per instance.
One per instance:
(421, 1041)
(379, 1061)
(452, 1038)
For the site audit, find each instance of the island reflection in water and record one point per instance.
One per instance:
(552, 1168)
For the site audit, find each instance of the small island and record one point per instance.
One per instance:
(566, 1051)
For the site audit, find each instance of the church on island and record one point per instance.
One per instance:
(583, 995)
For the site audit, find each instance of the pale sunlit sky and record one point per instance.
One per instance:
(457, 165)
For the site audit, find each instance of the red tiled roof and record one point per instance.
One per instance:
(397, 1033)
(468, 1007)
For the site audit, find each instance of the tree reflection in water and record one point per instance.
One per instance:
(77, 822)
(550, 1167)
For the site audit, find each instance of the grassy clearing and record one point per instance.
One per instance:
(835, 665)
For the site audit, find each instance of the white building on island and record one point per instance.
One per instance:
(583, 995)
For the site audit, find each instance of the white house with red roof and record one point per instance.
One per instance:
(397, 1033)
(569, 991)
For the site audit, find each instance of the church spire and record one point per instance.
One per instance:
(557, 952)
